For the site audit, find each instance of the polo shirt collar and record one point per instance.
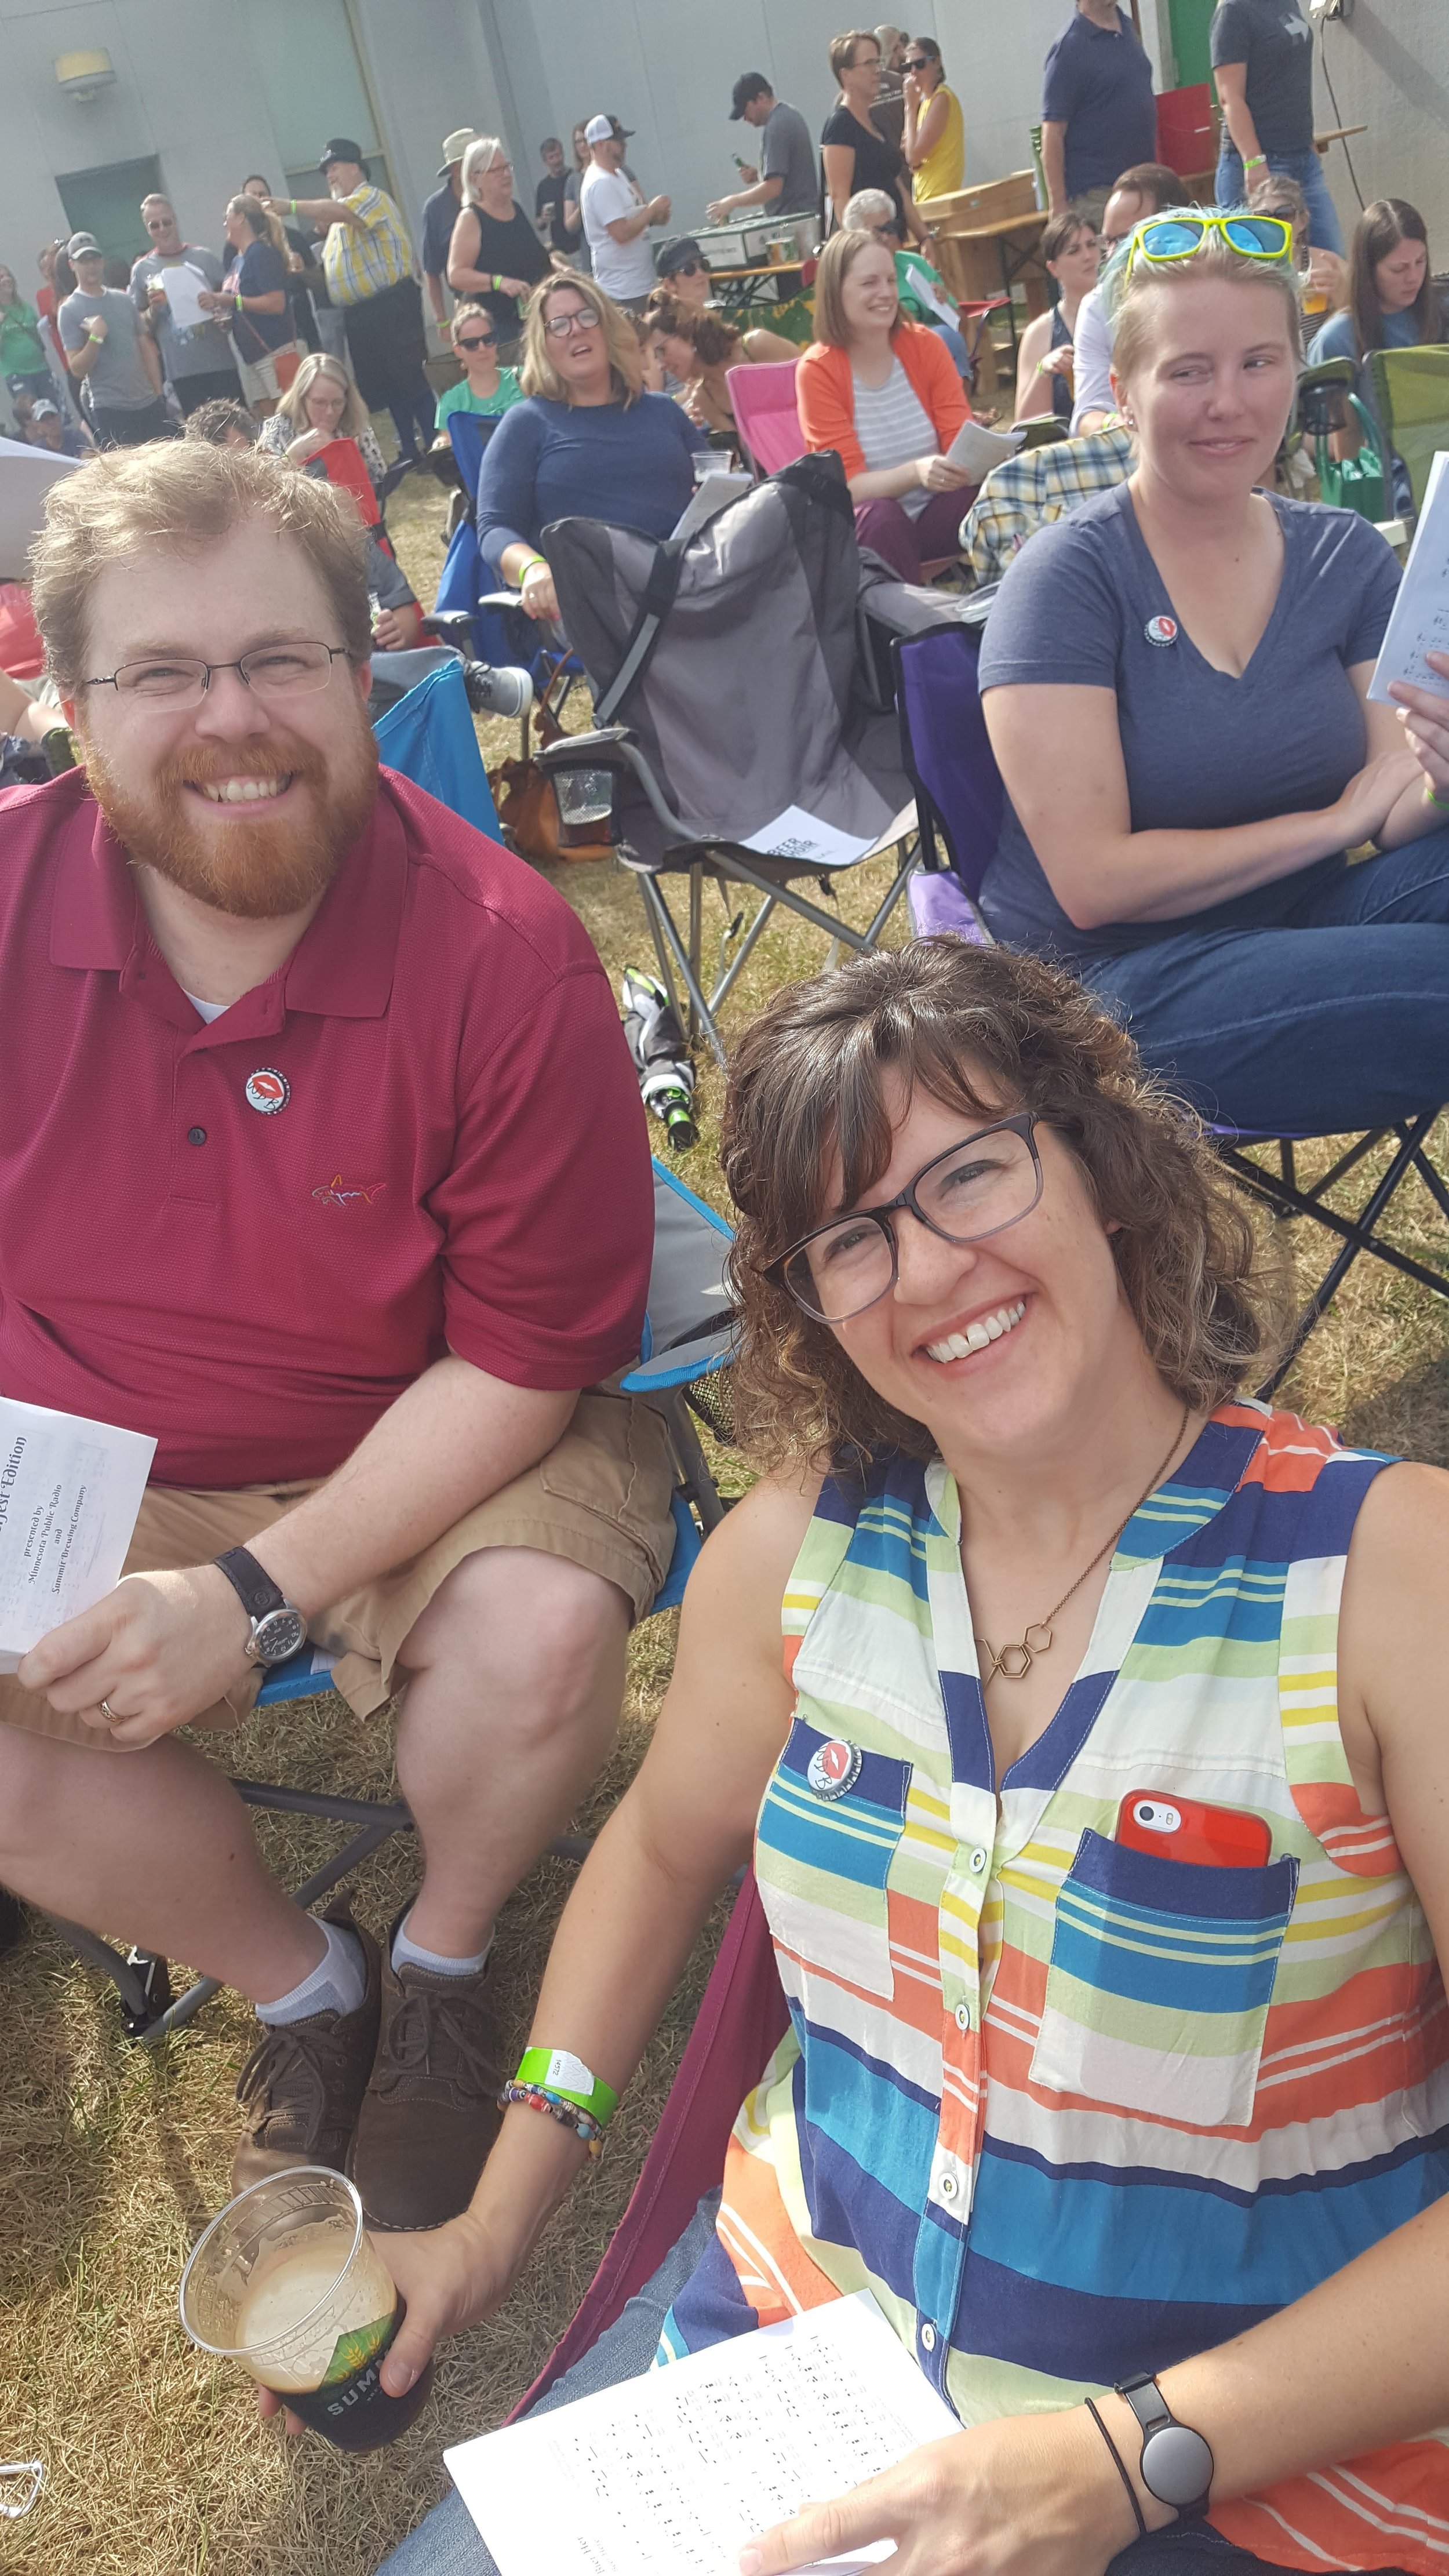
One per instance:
(342, 967)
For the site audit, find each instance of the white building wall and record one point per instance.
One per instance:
(1389, 63)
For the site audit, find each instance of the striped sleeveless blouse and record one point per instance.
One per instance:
(1069, 2110)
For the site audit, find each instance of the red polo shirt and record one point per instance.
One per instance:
(423, 1133)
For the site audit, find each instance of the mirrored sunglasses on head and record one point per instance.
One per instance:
(1171, 237)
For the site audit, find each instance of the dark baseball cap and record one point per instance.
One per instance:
(749, 85)
(679, 254)
(342, 148)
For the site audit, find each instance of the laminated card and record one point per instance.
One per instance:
(69, 1494)
(670, 2474)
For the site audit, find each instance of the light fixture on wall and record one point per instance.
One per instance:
(81, 76)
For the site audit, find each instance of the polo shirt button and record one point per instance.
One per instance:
(928, 2337)
(978, 1863)
(949, 2186)
(196, 1135)
(963, 2016)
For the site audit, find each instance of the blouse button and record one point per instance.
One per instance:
(949, 2186)
(978, 1863)
(928, 2337)
(963, 2016)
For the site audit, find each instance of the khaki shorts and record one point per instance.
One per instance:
(600, 1498)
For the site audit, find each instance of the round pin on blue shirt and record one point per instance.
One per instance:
(1161, 630)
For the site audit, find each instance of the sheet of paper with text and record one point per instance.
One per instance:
(69, 1494)
(1419, 622)
(670, 2474)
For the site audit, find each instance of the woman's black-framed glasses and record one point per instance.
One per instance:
(560, 326)
(979, 1187)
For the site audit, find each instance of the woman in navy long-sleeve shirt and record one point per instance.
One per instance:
(586, 443)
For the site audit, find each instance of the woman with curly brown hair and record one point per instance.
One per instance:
(700, 348)
(1099, 1851)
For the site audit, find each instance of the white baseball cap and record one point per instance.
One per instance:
(600, 129)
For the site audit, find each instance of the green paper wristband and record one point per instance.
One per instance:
(1442, 802)
(557, 2070)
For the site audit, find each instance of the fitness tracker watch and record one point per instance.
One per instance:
(1177, 2463)
(278, 1627)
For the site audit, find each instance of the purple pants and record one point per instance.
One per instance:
(905, 543)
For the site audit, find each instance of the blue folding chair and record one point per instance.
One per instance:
(959, 800)
(683, 1368)
(428, 734)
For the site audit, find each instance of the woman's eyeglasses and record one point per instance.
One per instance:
(976, 1188)
(479, 340)
(562, 326)
(916, 63)
(1169, 237)
(689, 268)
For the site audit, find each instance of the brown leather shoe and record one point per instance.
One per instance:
(303, 2083)
(431, 2112)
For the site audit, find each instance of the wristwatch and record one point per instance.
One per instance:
(278, 1627)
(1177, 2463)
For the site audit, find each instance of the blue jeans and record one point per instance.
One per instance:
(1324, 230)
(1336, 1016)
(447, 2541)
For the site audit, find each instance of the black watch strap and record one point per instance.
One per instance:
(251, 1583)
(1177, 2462)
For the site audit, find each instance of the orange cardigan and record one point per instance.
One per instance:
(825, 393)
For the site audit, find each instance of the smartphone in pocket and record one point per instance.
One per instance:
(1148, 1820)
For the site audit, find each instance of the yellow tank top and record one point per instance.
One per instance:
(944, 166)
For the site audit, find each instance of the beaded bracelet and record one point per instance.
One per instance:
(532, 2097)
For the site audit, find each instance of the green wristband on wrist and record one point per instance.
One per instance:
(1442, 802)
(1256, 161)
(239, 304)
(528, 567)
(294, 205)
(557, 2070)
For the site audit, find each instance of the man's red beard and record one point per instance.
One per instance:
(257, 871)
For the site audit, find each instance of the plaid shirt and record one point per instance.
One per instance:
(362, 260)
(1029, 491)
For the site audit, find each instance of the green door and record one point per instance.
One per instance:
(108, 203)
(1190, 20)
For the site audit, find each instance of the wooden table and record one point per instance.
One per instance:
(988, 260)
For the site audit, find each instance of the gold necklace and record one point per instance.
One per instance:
(1014, 1662)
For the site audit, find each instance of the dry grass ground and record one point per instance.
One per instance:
(111, 2157)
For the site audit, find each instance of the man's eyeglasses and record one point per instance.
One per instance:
(561, 326)
(478, 340)
(174, 680)
(974, 1189)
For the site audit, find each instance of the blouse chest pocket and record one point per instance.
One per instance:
(828, 1831)
(1160, 1977)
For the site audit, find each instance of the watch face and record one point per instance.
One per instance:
(278, 1636)
(1177, 2464)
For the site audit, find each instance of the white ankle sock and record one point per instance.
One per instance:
(337, 1983)
(406, 1953)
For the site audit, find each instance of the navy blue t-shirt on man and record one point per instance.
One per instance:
(1098, 84)
(1084, 606)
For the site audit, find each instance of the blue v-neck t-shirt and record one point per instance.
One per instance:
(1084, 606)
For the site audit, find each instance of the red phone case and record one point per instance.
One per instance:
(1186, 1829)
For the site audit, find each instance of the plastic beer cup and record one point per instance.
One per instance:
(287, 2282)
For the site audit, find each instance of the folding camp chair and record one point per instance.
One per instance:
(682, 1371)
(755, 618)
(763, 402)
(959, 804)
(1411, 388)
(741, 2020)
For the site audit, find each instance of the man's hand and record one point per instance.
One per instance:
(390, 632)
(517, 287)
(722, 207)
(450, 2279)
(658, 210)
(98, 327)
(158, 1650)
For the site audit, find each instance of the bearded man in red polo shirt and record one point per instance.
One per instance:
(322, 1160)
